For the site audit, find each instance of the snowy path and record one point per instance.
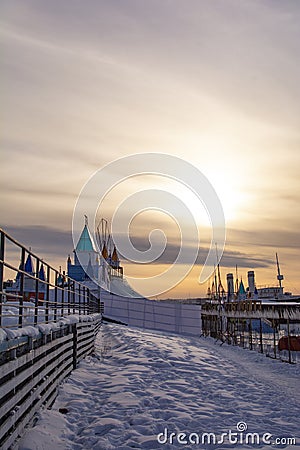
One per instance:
(140, 382)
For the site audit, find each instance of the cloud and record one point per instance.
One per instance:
(230, 258)
(57, 242)
(45, 242)
(268, 237)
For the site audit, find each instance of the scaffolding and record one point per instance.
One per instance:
(271, 329)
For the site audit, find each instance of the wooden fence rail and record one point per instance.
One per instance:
(30, 380)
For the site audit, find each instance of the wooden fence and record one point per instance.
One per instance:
(32, 369)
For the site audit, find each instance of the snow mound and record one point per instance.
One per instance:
(3, 335)
(19, 332)
(45, 328)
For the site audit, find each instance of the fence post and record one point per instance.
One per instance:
(36, 303)
(260, 337)
(250, 335)
(289, 341)
(2, 240)
(99, 299)
(274, 337)
(220, 328)
(21, 298)
(62, 312)
(74, 326)
(47, 295)
(79, 299)
(88, 298)
(84, 300)
(55, 297)
(74, 297)
(69, 296)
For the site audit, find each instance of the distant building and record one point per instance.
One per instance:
(90, 264)
(13, 288)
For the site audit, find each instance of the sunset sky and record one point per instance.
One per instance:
(213, 82)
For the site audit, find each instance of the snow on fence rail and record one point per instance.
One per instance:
(33, 362)
(32, 291)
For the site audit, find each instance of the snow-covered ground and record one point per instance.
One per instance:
(141, 386)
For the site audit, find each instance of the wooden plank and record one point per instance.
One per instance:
(85, 345)
(10, 366)
(82, 338)
(85, 331)
(22, 408)
(82, 343)
(11, 420)
(86, 328)
(85, 342)
(85, 324)
(13, 401)
(82, 325)
(29, 372)
(13, 343)
(21, 426)
(83, 355)
(85, 351)
(86, 334)
(51, 398)
(51, 392)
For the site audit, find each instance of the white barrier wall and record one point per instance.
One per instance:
(152, 314)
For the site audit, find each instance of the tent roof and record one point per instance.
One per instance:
(28, 265)
(242, 288)
(114, 256)
(85, 242)
(42, 273)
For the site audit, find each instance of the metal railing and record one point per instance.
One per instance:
(41, 295)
